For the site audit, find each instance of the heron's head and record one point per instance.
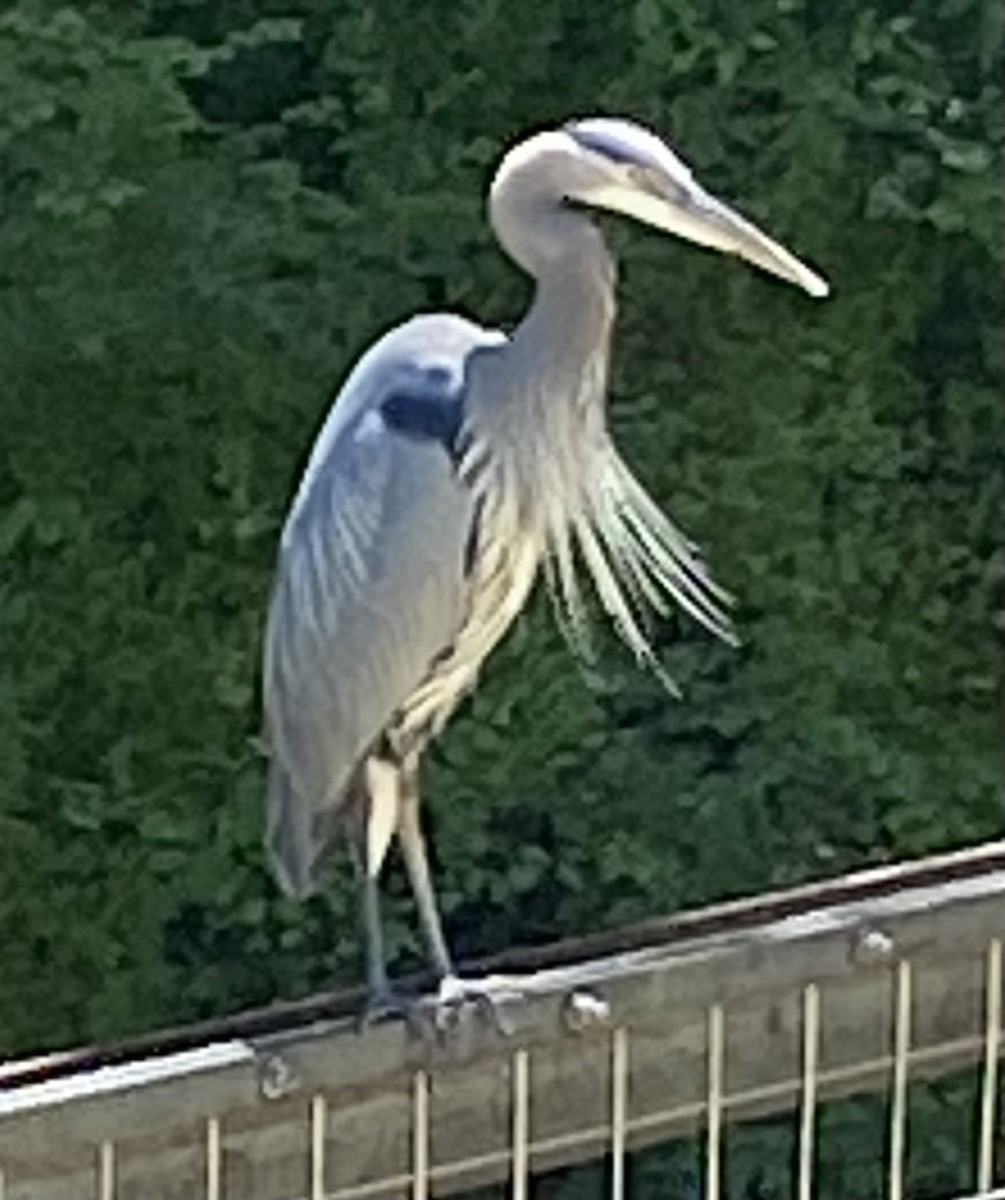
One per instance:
(613, 164)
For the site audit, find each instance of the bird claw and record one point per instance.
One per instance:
(385, 1004)
(445, 1011)
(488, 997)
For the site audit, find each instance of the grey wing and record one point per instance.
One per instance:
(370, 584)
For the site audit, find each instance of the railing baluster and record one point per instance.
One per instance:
(520, 1067)
(319, 1122)
(619, 1110)
(898, 1104)
(808, 1123)
(213, 1159)
(106, 1170)
(716, 1055)
(989, 1082)
(420, 1136)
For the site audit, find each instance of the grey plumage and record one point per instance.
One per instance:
(454, 462)
(370, 587)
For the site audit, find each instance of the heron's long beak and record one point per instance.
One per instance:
(690, 212)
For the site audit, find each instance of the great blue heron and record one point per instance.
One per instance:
(454, 462)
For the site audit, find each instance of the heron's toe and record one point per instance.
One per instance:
(492, 999)
(385, 1004)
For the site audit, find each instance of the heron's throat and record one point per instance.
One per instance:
(550, 419)
(567, 329)
(561, 348)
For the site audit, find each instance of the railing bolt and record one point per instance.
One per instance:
(872, 946)
(583, 1010)
(276, 1078)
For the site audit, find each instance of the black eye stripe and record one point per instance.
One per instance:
(609, 147)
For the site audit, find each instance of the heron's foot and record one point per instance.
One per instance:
(385, 1004)
(491, 999)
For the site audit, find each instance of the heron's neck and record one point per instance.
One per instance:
(572, 311)
(564, 252)
(540, 401)
(562, 342)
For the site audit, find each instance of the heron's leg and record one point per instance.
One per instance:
(377, 981)
(381, 998)
(454, 995)
(413, 849)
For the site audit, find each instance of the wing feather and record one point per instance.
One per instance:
(369, 585)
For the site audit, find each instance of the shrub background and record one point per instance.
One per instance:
(209, 210)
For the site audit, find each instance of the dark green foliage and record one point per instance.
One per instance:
(209, 210)
(760, 1159)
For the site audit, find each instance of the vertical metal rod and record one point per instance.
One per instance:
(716, 1054)
(808, 1121)
(3, 1186)
(989, 1082)
(106, 1170)
(520, 1069)
(420, 1136)
(898, 1102)
(619, 1110)
(213, 1159)
(319, 1121)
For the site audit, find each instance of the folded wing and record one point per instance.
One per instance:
(370, 580)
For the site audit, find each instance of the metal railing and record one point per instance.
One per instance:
(679, 1028)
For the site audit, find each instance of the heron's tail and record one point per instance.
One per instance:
(296, 837)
